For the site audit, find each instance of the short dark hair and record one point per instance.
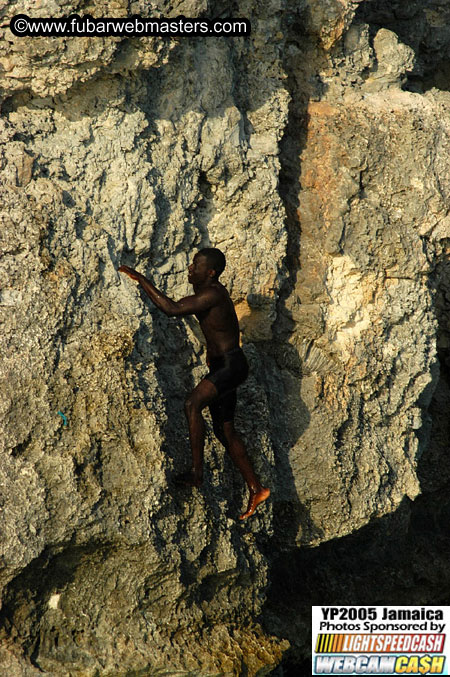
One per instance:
(215, 258)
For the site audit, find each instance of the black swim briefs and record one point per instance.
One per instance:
(227, 372)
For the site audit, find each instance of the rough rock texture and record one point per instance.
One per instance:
(315, 154)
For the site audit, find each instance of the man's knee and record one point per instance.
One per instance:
(189, 405)
(199, 398)
(193, 405)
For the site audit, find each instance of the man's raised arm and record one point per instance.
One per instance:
(187, 306)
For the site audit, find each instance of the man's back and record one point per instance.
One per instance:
(219, 323)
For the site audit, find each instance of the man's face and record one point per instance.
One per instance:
(199, 271)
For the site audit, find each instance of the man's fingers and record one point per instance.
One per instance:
(129, 271)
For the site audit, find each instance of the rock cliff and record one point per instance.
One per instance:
(315, 154)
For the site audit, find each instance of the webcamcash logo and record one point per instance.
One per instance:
(388, 640)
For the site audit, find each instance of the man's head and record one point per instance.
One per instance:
(215, 259)
(208, 263)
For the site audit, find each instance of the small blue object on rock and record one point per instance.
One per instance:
(64, 418)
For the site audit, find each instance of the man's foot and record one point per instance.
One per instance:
(188, 479)
(256, 497)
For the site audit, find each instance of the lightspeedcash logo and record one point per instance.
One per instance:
(379, 665)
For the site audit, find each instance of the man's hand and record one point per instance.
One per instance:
(130, 272)
(190, 305)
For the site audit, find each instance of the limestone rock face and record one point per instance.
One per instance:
(315, 154)
(373, 216)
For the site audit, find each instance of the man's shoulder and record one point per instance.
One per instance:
(215, 292)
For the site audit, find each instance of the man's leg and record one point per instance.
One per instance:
(222, 414)
(217, 412)
(199, 398)
(239, 456)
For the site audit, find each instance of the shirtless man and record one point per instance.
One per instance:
(228, 368)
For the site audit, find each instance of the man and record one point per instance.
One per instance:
(212, 306)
